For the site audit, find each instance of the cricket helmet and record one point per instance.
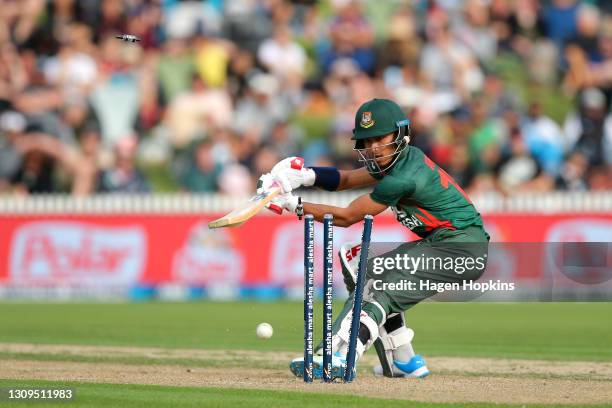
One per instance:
(375, 118)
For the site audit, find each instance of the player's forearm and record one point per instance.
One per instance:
(341, 216)
(346, 181)
(345, 217)
(350, 179)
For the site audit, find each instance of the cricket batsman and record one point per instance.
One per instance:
(424, 198)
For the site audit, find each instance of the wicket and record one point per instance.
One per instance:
(328, 294)
(349, 373)
(308, 295)
(328, 253)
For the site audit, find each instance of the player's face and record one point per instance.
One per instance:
(382, 148)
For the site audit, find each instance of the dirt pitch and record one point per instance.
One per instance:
(452, 379)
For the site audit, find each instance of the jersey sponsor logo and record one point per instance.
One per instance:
(407, 220)
(366, 120)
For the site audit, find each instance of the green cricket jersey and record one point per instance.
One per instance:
(423, 196)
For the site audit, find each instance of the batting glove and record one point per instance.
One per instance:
(290, 173)
(265, 182)
(286, 201)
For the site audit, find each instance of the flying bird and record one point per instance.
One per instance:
(128, 38)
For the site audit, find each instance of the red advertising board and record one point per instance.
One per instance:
(123, 250)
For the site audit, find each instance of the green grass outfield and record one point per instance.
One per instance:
(552, 331)
(555, 331)
(112, 395)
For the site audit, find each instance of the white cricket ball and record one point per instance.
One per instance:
(264, 331)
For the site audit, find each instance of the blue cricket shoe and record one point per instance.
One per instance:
(338, 365)
(415, 368)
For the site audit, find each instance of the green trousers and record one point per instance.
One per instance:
(446, 257)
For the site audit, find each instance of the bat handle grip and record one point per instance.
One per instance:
(299, 209)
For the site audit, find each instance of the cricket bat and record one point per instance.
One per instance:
(246, 211)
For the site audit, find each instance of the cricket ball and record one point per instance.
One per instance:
(264, 331)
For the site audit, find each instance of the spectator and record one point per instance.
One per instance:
(201, 173)
(285, 139)
(13, 75)
(112, 19)
(12, 127)
(519, 170)
(420, 133)
(116, 98)
(185, 18)
(73, 69)
(402, 47)
(145, 23)
(241, 68)
(572, 175)
(451, 131)
(124, 176)
(499, 97)
(599, 178)
(195, 112)
(458, 166)
(282, 56)
(588, 27)
(543, 138)
(212, 57)
(246, 23)
(175, 69)
(560, 20)
(590, 129)
(35, 172)
(526, 26)
(448, 66)
(351, 37)
(475, 32)
(82, 163)
(261, 107)
(485, 138)
(230, 78)
(583, 74)
(19, 19)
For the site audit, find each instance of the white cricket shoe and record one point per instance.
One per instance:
(415, 368)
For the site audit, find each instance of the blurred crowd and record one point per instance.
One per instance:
(216, 92)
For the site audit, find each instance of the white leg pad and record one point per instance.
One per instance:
(372, 327)
(396, 345)
(397, 338)
(341, 339)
